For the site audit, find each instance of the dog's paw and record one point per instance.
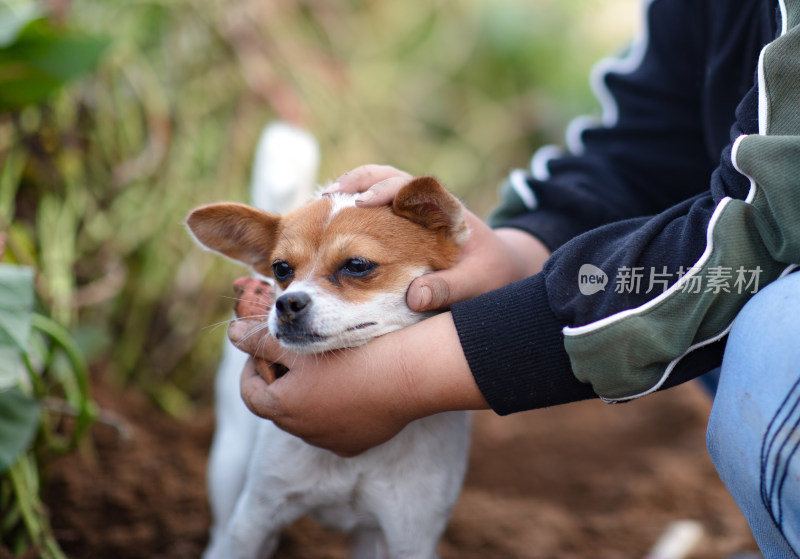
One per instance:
(254, 298)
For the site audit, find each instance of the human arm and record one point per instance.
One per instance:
(630, 339)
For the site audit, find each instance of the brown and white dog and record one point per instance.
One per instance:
(341, 274)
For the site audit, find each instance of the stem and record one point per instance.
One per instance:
(86, 412)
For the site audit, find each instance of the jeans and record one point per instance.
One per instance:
(754, 429)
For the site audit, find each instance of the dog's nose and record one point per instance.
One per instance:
(291, 306)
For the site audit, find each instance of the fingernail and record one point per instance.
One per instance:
(332, 188)
(426, 296)
(365, 196)
(420, 298)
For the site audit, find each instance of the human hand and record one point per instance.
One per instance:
(489, 260)
(310, 402)
(377, 184)
(348, 401)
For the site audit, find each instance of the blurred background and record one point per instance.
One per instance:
(119, 116)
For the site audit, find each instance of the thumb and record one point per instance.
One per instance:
(429, 292)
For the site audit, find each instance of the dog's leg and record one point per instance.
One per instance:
(413, 509)
(369, 544)
(274, 495)
(412, 516)
(417, 539)
(235, 430)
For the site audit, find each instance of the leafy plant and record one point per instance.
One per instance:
(41, 366)
(30, 345)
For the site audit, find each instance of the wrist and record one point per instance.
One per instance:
(433, 373)
(527, 252)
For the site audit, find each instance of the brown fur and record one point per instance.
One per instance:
(422, 230)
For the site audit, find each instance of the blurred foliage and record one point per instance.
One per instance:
(45, 408)
(96, 176)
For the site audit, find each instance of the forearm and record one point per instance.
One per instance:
(429, 367)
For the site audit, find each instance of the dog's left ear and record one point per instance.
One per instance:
(425, 201)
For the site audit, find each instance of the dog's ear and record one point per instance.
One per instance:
(235, 230)
(425, 201)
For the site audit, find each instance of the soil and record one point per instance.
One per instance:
(585, 481)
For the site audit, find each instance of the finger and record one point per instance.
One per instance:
(362, 178)
(382, 193)
(430, 292)
(256, 393)
(269, 372)
(253, 337)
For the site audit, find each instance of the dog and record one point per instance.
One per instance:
(341, 273)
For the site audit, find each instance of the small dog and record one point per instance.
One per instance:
(341, 274)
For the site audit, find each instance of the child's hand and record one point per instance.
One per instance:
(490, 258)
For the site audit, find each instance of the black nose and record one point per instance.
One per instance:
(291, 306)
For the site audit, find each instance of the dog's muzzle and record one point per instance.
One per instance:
(292, 311)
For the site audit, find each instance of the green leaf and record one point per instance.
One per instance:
(14, 16)
(12, 368)
(19, 418)
(16, 306)
(41, 60)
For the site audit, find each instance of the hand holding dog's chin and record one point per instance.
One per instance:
(351, 400)
(319, 412)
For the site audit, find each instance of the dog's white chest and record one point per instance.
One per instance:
(404, 488)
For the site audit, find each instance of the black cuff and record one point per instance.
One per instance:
(515, 349)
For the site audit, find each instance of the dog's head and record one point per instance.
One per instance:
(341, 271)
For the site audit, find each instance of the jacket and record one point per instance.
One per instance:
(664, 217)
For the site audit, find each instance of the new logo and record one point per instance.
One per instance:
(591, 279)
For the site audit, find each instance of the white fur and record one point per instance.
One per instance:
(396, 498)
(340, 201)
(398, 495)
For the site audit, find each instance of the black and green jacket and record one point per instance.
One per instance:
(664, 217)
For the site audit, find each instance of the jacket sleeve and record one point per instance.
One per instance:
(656, 250)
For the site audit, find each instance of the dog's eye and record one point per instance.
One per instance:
(282, 270)
(357, 267)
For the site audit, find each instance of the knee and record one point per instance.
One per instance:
(759, 369)
(720, 439)
(771, 318)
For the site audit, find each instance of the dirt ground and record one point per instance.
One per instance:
(584, 481)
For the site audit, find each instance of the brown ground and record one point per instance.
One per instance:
(588, 481)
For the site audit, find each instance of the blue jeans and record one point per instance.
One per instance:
(754, 429)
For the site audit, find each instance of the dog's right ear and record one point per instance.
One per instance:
(425, 201)
(235, 230)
